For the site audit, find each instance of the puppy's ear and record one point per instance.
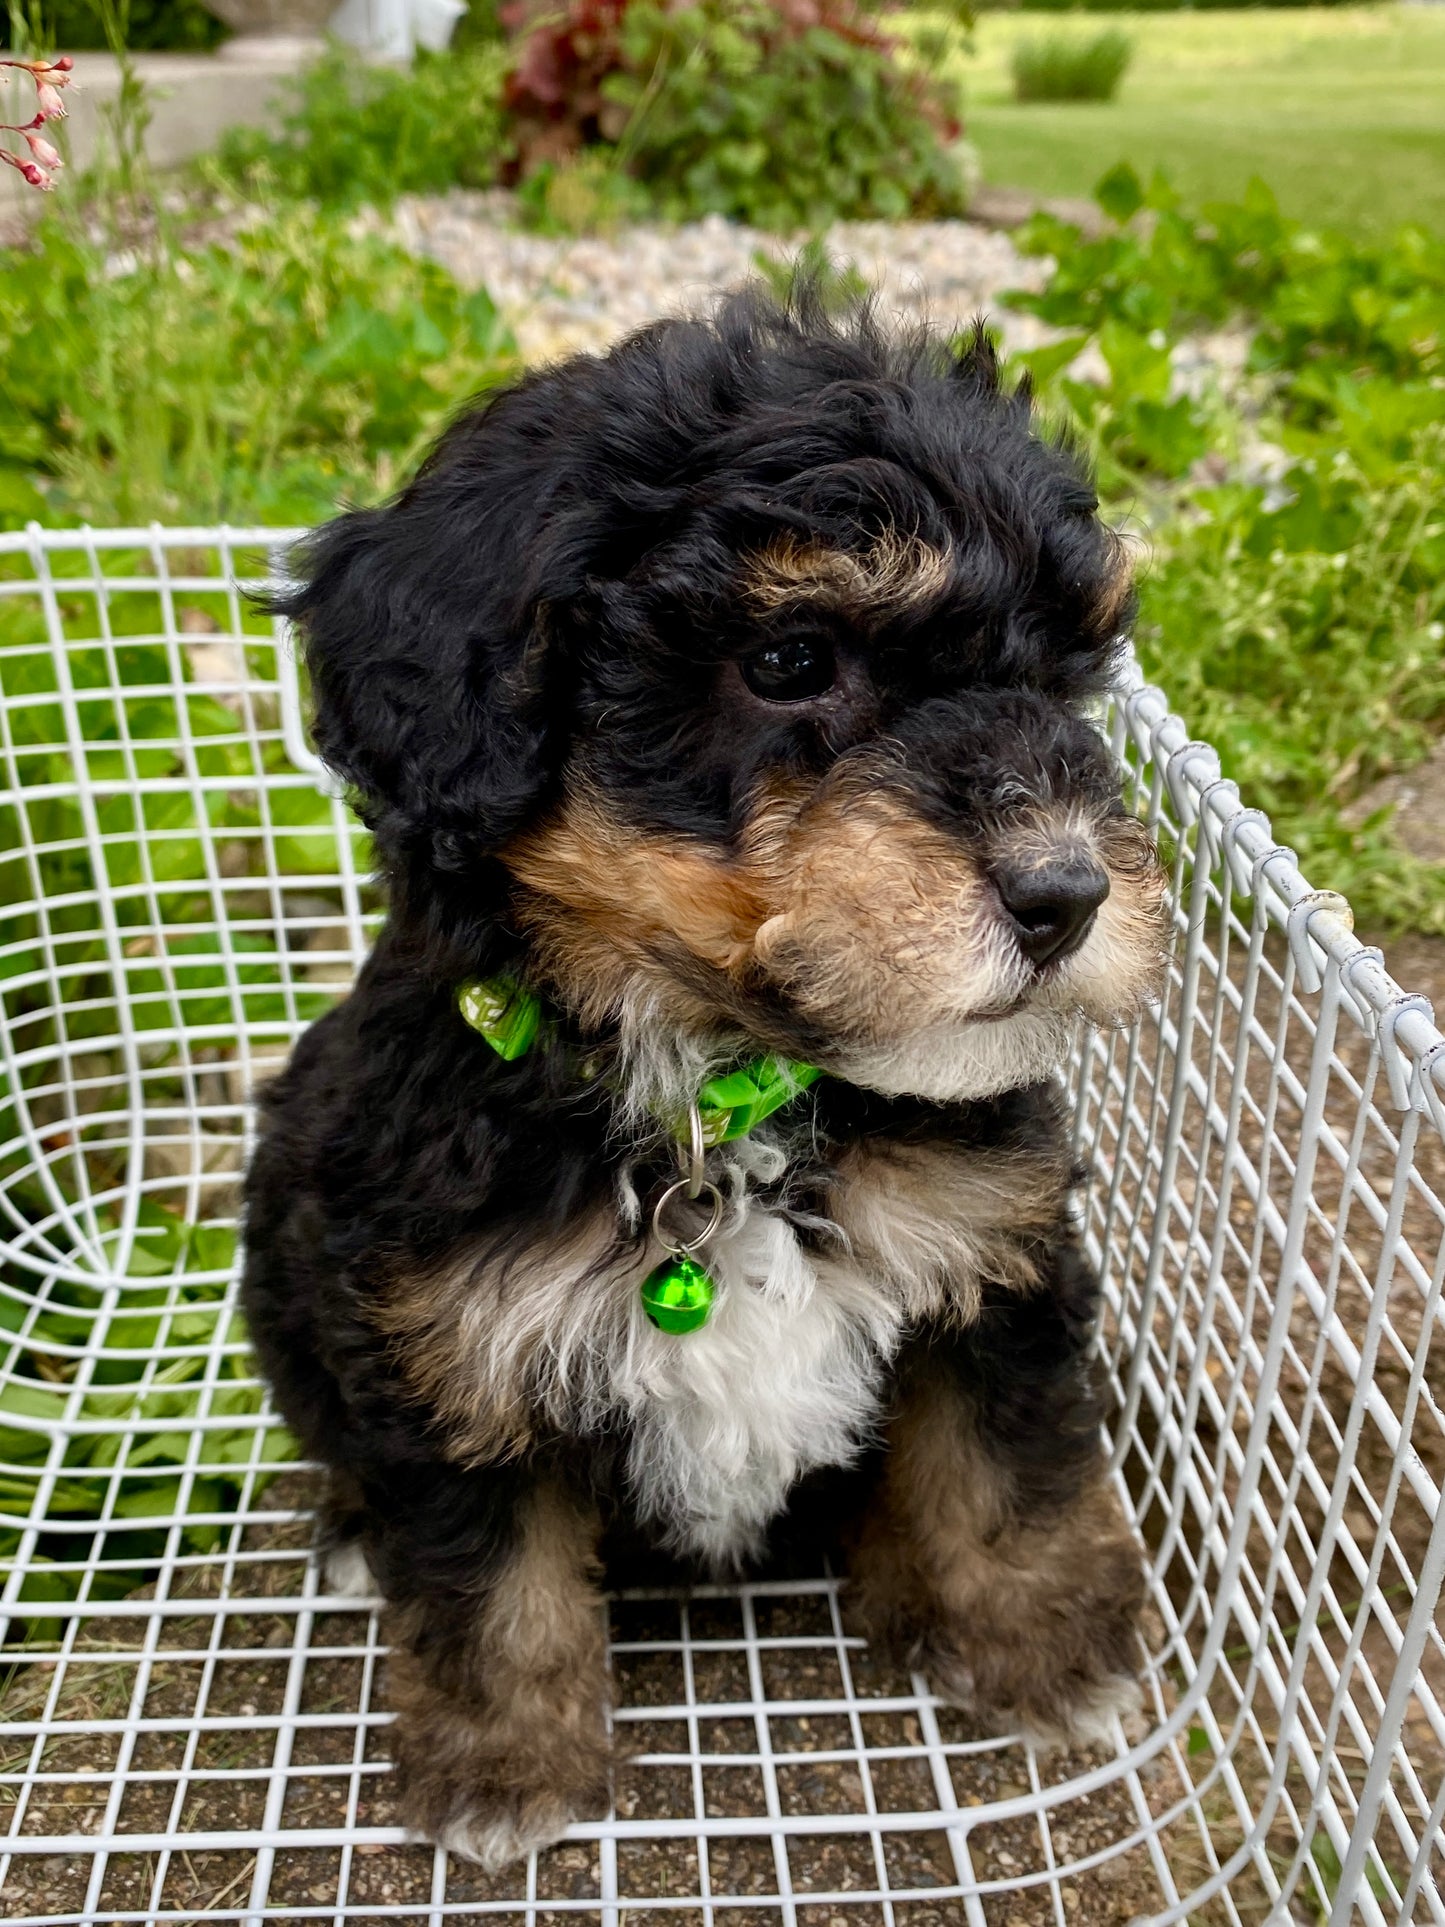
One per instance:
(429, 668)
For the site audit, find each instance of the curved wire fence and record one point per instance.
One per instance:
(193, 1726)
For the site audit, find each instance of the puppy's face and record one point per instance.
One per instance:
(838, 798)
(806, 624)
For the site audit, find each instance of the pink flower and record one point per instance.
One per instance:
(56, 70)
(49, 77)
(42, 150)
(36, 176)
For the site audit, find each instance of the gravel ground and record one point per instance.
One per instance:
(228, 1774)
(583, 293)
(562, 295)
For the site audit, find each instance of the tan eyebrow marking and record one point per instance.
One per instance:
(900, 573)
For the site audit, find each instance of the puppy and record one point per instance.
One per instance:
(719, 709)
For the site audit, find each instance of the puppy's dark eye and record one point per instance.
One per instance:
(791, 670)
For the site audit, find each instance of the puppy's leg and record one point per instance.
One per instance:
(498, 1676)
(994, 1553)
(340, 1538)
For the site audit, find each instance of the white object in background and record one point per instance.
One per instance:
(434, 22)
(394, 29)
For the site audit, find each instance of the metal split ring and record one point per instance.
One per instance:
(694, 1155)
(684, 1248)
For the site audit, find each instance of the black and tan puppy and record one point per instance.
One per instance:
(719, 700)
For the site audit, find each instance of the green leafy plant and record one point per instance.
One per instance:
(1327, 313)
(839, 285)
(780, 130)
(588, 193)
(159, 1342)
(1328, 1873)
(169, 26)
(785, 117)
(478, 26)
(1305, 639)
(1133, 423)
(122, 1373)
(261, 379)
(1063, 67)
(352, 134)
(1300, 627)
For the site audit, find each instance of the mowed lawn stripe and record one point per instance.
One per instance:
(1340, 109)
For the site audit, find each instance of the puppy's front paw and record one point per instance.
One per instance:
(518, 1823)
(346, 1574)
(1054, 1711)
(1053, 1653)
(474, 1783)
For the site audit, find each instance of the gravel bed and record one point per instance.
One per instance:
(564, 294)
(228, 1783)
(569, 293)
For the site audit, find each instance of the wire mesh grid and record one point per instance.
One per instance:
(194, 1725)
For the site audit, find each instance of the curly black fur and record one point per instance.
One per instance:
(552, 608)
(559, 579)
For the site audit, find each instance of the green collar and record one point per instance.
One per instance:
(510, 1016)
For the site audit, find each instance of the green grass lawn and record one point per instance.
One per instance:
(1340, 109)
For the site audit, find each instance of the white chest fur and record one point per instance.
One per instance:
(783, 1378)
(786, 1376)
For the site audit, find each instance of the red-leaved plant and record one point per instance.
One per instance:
(555, 92)
(49, 77)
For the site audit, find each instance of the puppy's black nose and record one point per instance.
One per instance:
(1051, 904)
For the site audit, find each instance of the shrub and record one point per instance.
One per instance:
(260, 380)
(554, 92)
(151, 26)
(735, 112)
(782, 116)
(1059, 67)
(351, 133)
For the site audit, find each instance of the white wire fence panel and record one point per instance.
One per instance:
(194, 1727)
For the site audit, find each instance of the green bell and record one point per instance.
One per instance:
(678, 1295)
